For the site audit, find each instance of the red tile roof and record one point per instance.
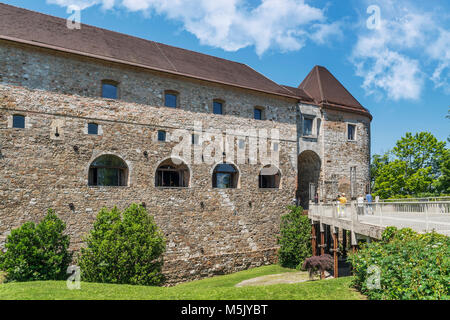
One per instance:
(300, 93)
(328, 92)
(33, 28)
(43, 30)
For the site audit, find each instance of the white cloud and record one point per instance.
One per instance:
(233, 24)
(326, 32)
(394, 58)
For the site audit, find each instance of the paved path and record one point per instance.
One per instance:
(288, 278)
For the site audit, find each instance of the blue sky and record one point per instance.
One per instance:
(397, 64)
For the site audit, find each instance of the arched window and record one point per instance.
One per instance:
(269, 177)
(172, 174)
(225, 176)
(108, 170)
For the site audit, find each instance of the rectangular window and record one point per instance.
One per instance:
(351, 132)
(19, 121)
(170, 100)
(161, 135)
(241, 144)
(307, 126)
(257, 114)
(92, 128)
(275, 146)
(195, 139)
(353, 182)
(217, 108)
(109, 90)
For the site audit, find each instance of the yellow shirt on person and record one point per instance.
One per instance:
(342, 200)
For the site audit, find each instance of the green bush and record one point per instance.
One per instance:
(37, 252)
(411, 266)
(123, 248)
(295, 238)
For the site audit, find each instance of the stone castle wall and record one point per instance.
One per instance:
(209, 231)
(40, 171)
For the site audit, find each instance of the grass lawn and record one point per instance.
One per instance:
(216, 288)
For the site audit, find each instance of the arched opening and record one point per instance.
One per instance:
(269, 177)
(108, 170)
(172, 174)
(225, 176)
(309, 165)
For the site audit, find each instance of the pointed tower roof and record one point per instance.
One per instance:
(327, 91)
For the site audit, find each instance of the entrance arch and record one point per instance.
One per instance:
(309, 165)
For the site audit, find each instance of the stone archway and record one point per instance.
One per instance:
(309, 165)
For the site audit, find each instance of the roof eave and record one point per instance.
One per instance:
(350, 109)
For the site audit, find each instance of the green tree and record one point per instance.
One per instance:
(418, 165)
(421, 150)
(442, 184)
(390, 179)
(37, 252)
(124, 248)
(294, 239)
(378, 162)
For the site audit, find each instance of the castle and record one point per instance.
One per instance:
(90, 118)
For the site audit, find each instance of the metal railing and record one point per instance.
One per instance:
(422, 216)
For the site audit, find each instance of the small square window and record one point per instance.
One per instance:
(307, 126)
(275, 146)
(109, 90)
(351, 132)
(19, 121)
(92, 128)
(257, 113)
(161, 135)
(217, 108)
(195, 139)
(170, 100)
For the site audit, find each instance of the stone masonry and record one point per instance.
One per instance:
(209, 231)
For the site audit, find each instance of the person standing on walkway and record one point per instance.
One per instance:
(360, 201)
(342, 203)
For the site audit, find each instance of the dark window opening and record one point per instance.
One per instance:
(109, 90)
(195, 139)
(108, 170)
(258, 113)
(19, 121)
(225, 176)
(92, 128)
(351, 132)
(269, 178)
(170, 100)
(307, 126)
(217, 107)
(171, 175)
(161, 135)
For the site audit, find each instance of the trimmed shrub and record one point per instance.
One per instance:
(320, 263)
(37, 252)
(123, 248)
(409, 266)
(295, 238)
